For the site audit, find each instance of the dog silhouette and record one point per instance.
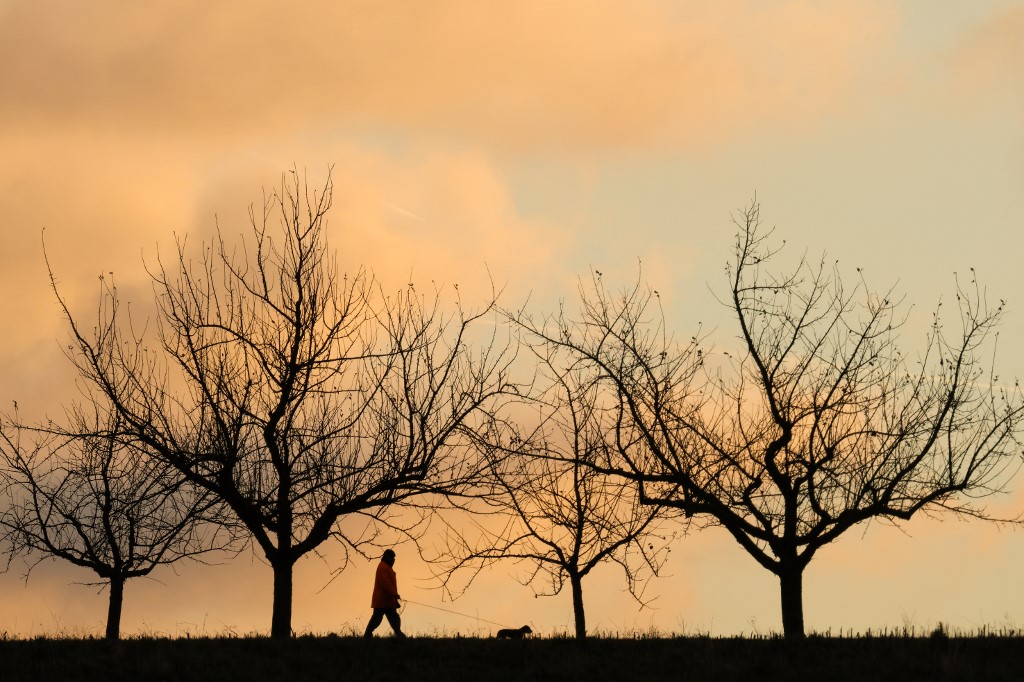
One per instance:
(509, 633)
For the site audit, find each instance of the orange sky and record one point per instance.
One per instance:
(534, 140)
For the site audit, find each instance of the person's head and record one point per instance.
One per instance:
(388, 557)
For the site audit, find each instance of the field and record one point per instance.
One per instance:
(422, 659)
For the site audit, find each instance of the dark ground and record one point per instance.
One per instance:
(482, 660)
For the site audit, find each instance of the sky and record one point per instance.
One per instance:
(526, 142)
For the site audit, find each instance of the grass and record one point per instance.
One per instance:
(864, 658)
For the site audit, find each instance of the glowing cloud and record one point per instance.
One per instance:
(537, 74)
(988, 64)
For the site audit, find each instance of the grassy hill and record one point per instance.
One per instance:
(423, 659)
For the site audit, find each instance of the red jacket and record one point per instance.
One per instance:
(385, 588)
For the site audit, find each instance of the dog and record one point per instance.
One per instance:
(509, 633)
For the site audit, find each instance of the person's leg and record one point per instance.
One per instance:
(395, 621)
(375, 620)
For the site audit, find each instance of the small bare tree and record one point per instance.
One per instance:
(88, 496)
(300, 396)
(818, 424)
(548, 506)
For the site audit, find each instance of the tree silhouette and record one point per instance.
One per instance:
(311, 403)
(818, 424)
(548, 506)
(88, 496)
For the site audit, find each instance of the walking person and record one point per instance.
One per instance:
(385, 596)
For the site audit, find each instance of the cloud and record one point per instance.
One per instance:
(429, 213)
(987, 65)
(529, 74)
(109, 204)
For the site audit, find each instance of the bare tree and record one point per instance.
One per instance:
(308, 401)
(818, 424)
(87, 496)
(549, 507)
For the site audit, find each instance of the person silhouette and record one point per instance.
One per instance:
(385, 596)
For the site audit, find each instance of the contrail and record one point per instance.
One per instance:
(407, 213)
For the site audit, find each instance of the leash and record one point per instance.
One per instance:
(456, 613)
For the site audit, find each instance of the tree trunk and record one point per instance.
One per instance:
(281, 620)
(577, 606)
(114, 608)
(792, 584)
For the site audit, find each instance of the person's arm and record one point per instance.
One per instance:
(394, 584)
